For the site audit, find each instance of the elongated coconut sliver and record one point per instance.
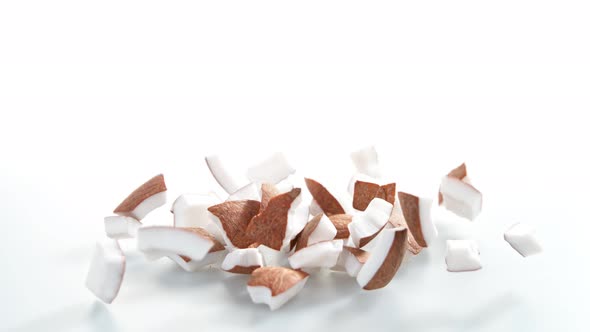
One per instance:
(268, 191)
(190, 210)
(323, 254)
(144, 199)
(106, 272)
(228, 181)
(121, 227)
(325, 200)
(462, 255)
(522, 238)
(272, 170)
(275, 286)
(366, 161)
(233, 217)
(354, 259)
(242, 261)
(251, 191)
(416, 212)
(397, 220)
(318, 229)
(385, 259)
(189, 242)
(341, 222)
(364, 192)
(461, 197)
(367, 224)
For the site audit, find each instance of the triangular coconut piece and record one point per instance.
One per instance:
(416, 212)
(242, 261)
(318, 229)
(275, 285)
(233, 217)
(365, 192)
(144, 199)
(385, 259)
(341, 222)
(193, 243)
(324, 198)
(121, 227)
(106, 272)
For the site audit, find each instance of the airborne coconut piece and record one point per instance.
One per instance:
(192, 243)
(144, 199)
(121, 227)
(228, 181)
(318, 229)
(365, 192)
(460, 173)
(323, 254)
(250, 191)
(384, 260)
(272, 170)
(242, 261)
(190, 210)
(460, 197)
(106, 271)
(366, 161)
(416, 212)
(353, 260)
(366, 225)
(275, 286)
(326, 201)
(462, 255)
(233, 217)
(522, 238)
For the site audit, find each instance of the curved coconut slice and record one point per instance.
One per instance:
(269, 226)
(250, 191)
(233, 217)
(106, 272)
(275, 286)
(365, 192)
(193, 243)
(325, 200)
(323, 254)
(228, 181)
(366, 161)
(143, 200)
(461, 197)
(385, 259)
(318, 229)
(416, 212)
(366, 225)
(211, 259)
(397, 220)
(353, 260)
(462, 255)
(242, 261)
(190, 210)
(268, 191)
(272, 170)
(121, 227)
(522, 238)
(341, 222)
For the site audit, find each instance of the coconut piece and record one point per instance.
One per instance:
(190, 265)
(359, 177)
(367, 224)
(269, 226)
(250, 191)
(121, 227)
(397, 220)
(190, 210)
(522, 238)
(341, 222)
(322, 254)
(353, 260)
(268, 191)
(193, 243)
(318, 229)
(228, 181)
(364, 192)
(462, 255)
(271, 170)
(275, 286)
(314, 208)
(416, 212)
(366, 161)
(233, 217)
(461, 197)
(242, 261)
(385, 259)
(106, 272)
(272, 257)
(325, 200)
(144, 199)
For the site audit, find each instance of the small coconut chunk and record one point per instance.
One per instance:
(327, 202)
(462, 255)
(323, 254)
(271, 170)
(364, 192)
(272, 257)
(189, 242)
(233, 217)
(366, 161)
(213, 258)
(416, 212)
(251, 191)
(353, 260)
(230, 182)
(121, 227)
(106, 272)
(318, 229)
(522, 238)
(341, 222)
(242, 261)
(275, 286)
(365, 226)
(143, 200)
(190, 210)
(461, 197)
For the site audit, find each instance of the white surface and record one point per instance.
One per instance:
(95, 98)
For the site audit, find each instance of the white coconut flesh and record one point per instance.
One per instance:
(121, 227)
(323, 254)
(460, 198)
(147, 205)
(173, 240)
(211, 259)
(242, 258)
(261, 294)
(106, 272)
(271, 170)
(366, 161)
(250, 191)
(272, 257)
(190, 210)
(370, 221)
(297, 218)
(462, 255)
(522, 238)
(230, 182)
(383, 243)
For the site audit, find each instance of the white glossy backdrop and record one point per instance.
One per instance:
(97, 97)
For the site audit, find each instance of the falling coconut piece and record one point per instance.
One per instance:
(106, 272)
(193, 243)
(250, 191)
(121, 227)
(233, 217)
(462, 255)
(275, 286)
(272, 170)
(318, 229)
(144, 199)
(385, 259)
(323, 254)
(365, 192)
(366, 225)
(397, 220)
(461, 198)
(190, 210)
(242, 261)
(522, 238)
(366, 161)
(416, 212)
(353, 260)
(229, 182)
(341, 222)
(324, 199)
(460, 173)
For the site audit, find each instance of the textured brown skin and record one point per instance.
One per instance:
(307, 231)
(277, 279)
(398, 220)
(322, 196)
(391, 263)
(294, 241)
(460, 172)
(235, 217)
(243, 269)
(341, 222)
(359, 254)
(269, 226)
(387, 193)
(153, 186)
(410, 205)
(268, 191)
(365, 192)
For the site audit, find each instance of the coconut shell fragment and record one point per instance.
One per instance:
(234, 217)
(365, 192)
(144, 199)
(327, 202)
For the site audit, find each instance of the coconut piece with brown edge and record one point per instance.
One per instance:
(384, 260)
(144, 199)
(275, 285)
(326, 201)
(367, 224)
(416, 212)
(365, 192)
(191, 210)
(233, 217)
(397, 220)
(353, 260)
(320, 255)
(460, 173)
(341, 222)
(228, 180)
(458, 195)
(242, 261)
(319, 228)
(106, 272)
(193, 243)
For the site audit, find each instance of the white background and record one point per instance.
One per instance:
(96, 97)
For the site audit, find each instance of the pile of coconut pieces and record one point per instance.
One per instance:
(279, 228)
